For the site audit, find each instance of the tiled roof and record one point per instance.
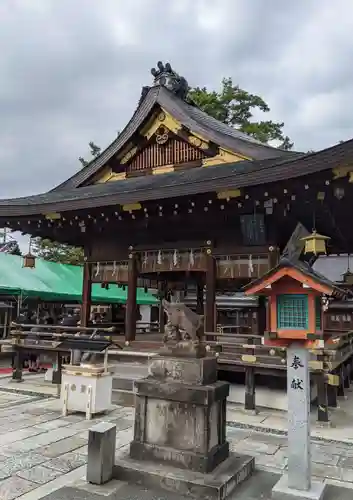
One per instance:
(304, 268)
(188, 115)
(181, 183)
(334, 266)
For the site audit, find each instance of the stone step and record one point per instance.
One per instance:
(123, 398)
(125, 356)
(124, 384)
(216, 485)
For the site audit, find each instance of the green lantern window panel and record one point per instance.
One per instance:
(292, 312)
(318, 313)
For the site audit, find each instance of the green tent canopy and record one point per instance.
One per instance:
(52, 281)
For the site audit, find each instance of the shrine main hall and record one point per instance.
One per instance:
(185, 204)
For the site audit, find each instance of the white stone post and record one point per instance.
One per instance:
(298, 484)
(298, 392)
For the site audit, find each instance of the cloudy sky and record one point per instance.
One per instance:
(71, 71)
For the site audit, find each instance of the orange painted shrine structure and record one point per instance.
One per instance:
(295, 295)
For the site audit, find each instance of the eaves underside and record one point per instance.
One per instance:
(181, 183)
(301, 266)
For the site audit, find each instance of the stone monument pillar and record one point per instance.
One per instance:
(297, 483)
(180, 422)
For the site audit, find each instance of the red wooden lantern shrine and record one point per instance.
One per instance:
(29, 261)
(297, 296)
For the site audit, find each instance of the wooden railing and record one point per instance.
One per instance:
(339, 320)
(142, 327)
(242, 266)
(234, 329)
(331, 367)
(230, 266)
(55, 339)
(110, 272)
(173, 260)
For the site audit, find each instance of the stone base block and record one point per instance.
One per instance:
(198, 371)
(185, 459)
(216, 485)
(183, 349)
(281, 491)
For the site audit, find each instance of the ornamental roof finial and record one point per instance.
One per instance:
(166, 77)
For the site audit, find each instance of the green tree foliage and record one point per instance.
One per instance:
(94, 150)
(57, 252)
(235, 107)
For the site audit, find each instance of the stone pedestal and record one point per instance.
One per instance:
(177, 419)
(180, 430)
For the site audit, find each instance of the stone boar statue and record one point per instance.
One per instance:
(182, 324)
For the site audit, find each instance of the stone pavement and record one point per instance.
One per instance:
(33, 384)
(258, 487)
(42, 452)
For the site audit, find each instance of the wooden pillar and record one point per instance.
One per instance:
(210, 309)
(86, 293)
(346, 375)
(273, 256)
(250, 388)
(322, 398)
(261, 317)
(161, 316)
(57, 372)
(340, 389)
(250, 382)
(332, 396)
(18, 360)
(199, 299)
(130, 312)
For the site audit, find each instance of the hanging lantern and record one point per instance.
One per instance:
(29, 261)
(348, 277)
(315, 243)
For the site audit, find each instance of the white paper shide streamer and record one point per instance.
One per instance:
(191, 258)
(250, 266)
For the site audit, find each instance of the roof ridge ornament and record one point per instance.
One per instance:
(166, 77)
